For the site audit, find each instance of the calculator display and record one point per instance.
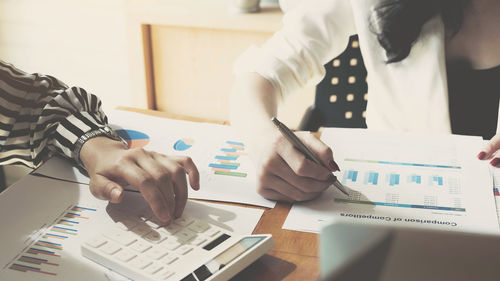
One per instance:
(213, 266)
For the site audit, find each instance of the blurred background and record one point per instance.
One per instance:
(168, 55)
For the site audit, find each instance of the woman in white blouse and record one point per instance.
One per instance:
(412, 49)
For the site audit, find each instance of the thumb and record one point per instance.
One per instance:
(106, 189)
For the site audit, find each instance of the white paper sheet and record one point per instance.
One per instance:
(406, 180)
(495, 173)
(31, 208)
(234, 180)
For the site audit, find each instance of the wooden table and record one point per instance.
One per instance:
(295, 254)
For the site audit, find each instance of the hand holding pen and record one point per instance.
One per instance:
(300, 146)
(284, 173)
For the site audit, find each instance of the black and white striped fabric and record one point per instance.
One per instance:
(40, 116)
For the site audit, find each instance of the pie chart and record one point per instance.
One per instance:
(183, 144)
(134, 138)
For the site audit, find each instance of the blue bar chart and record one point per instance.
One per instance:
(393, 179)
(413, 178)
(227, 164)
(350, 176)
(402, 185)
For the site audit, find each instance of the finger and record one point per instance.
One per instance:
(179, 183)
(190, 168)
(299, 163)
(145, 183)
(285, 189)
(103, 188)
(277, 166)
(162, 180)
(491, 147)
(323, 151)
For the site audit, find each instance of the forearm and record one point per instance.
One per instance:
(253, 102)
(40, 114)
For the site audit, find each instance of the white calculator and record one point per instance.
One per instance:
(139, 247)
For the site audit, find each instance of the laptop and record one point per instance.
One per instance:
(381, 253)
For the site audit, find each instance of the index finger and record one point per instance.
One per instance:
(491, 147)
(323, 151)
(190, 168)
(161, 204)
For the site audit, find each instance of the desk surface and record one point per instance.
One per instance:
(295, 254)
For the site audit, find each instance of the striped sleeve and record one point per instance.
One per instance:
(40, 116)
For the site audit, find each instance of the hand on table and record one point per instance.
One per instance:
(161, 179)
(285, 174)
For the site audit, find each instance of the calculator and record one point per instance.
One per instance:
(140, 247)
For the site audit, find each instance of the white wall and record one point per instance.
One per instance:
(81, 42)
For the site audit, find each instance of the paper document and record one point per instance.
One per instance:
(227, 173)
(44, 222)
(406, 180)
(495, 173)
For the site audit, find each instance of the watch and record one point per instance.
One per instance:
(102, 131)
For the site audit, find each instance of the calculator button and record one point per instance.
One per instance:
(165, 274)
(184, 249)
(123, 237)
(153, 224)
(198, 241)
(184, 221)
(110, 248)
(154, 221)
(125, 255)
(212, 232)
(141, 229)
(157, 253)
(185, 234)
(126, 224)
(155, 237)
(171, 243)
(152, 269)
(140, 246)
(171, 228)
(140, 262)
(96, 242)
(199, 226)
(170, 259)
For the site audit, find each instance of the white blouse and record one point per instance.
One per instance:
(406, 96)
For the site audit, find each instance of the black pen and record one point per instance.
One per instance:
(297, 143)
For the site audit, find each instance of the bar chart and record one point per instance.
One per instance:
(43, 255)
(226, 163)
(403, 185)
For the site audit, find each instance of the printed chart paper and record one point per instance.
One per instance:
(226, 172)
(44, 222)
(495, 173)
(406, 180)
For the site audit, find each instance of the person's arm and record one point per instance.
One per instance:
(313, 34)
(40, 116)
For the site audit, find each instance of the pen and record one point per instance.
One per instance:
(295, 141)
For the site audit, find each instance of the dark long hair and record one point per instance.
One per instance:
(398, 23)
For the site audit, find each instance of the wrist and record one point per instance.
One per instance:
(95, 148)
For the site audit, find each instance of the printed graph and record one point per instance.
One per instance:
(402, 184)
(226, 162)
(183, 144)
(133, 138)
(44, 255)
